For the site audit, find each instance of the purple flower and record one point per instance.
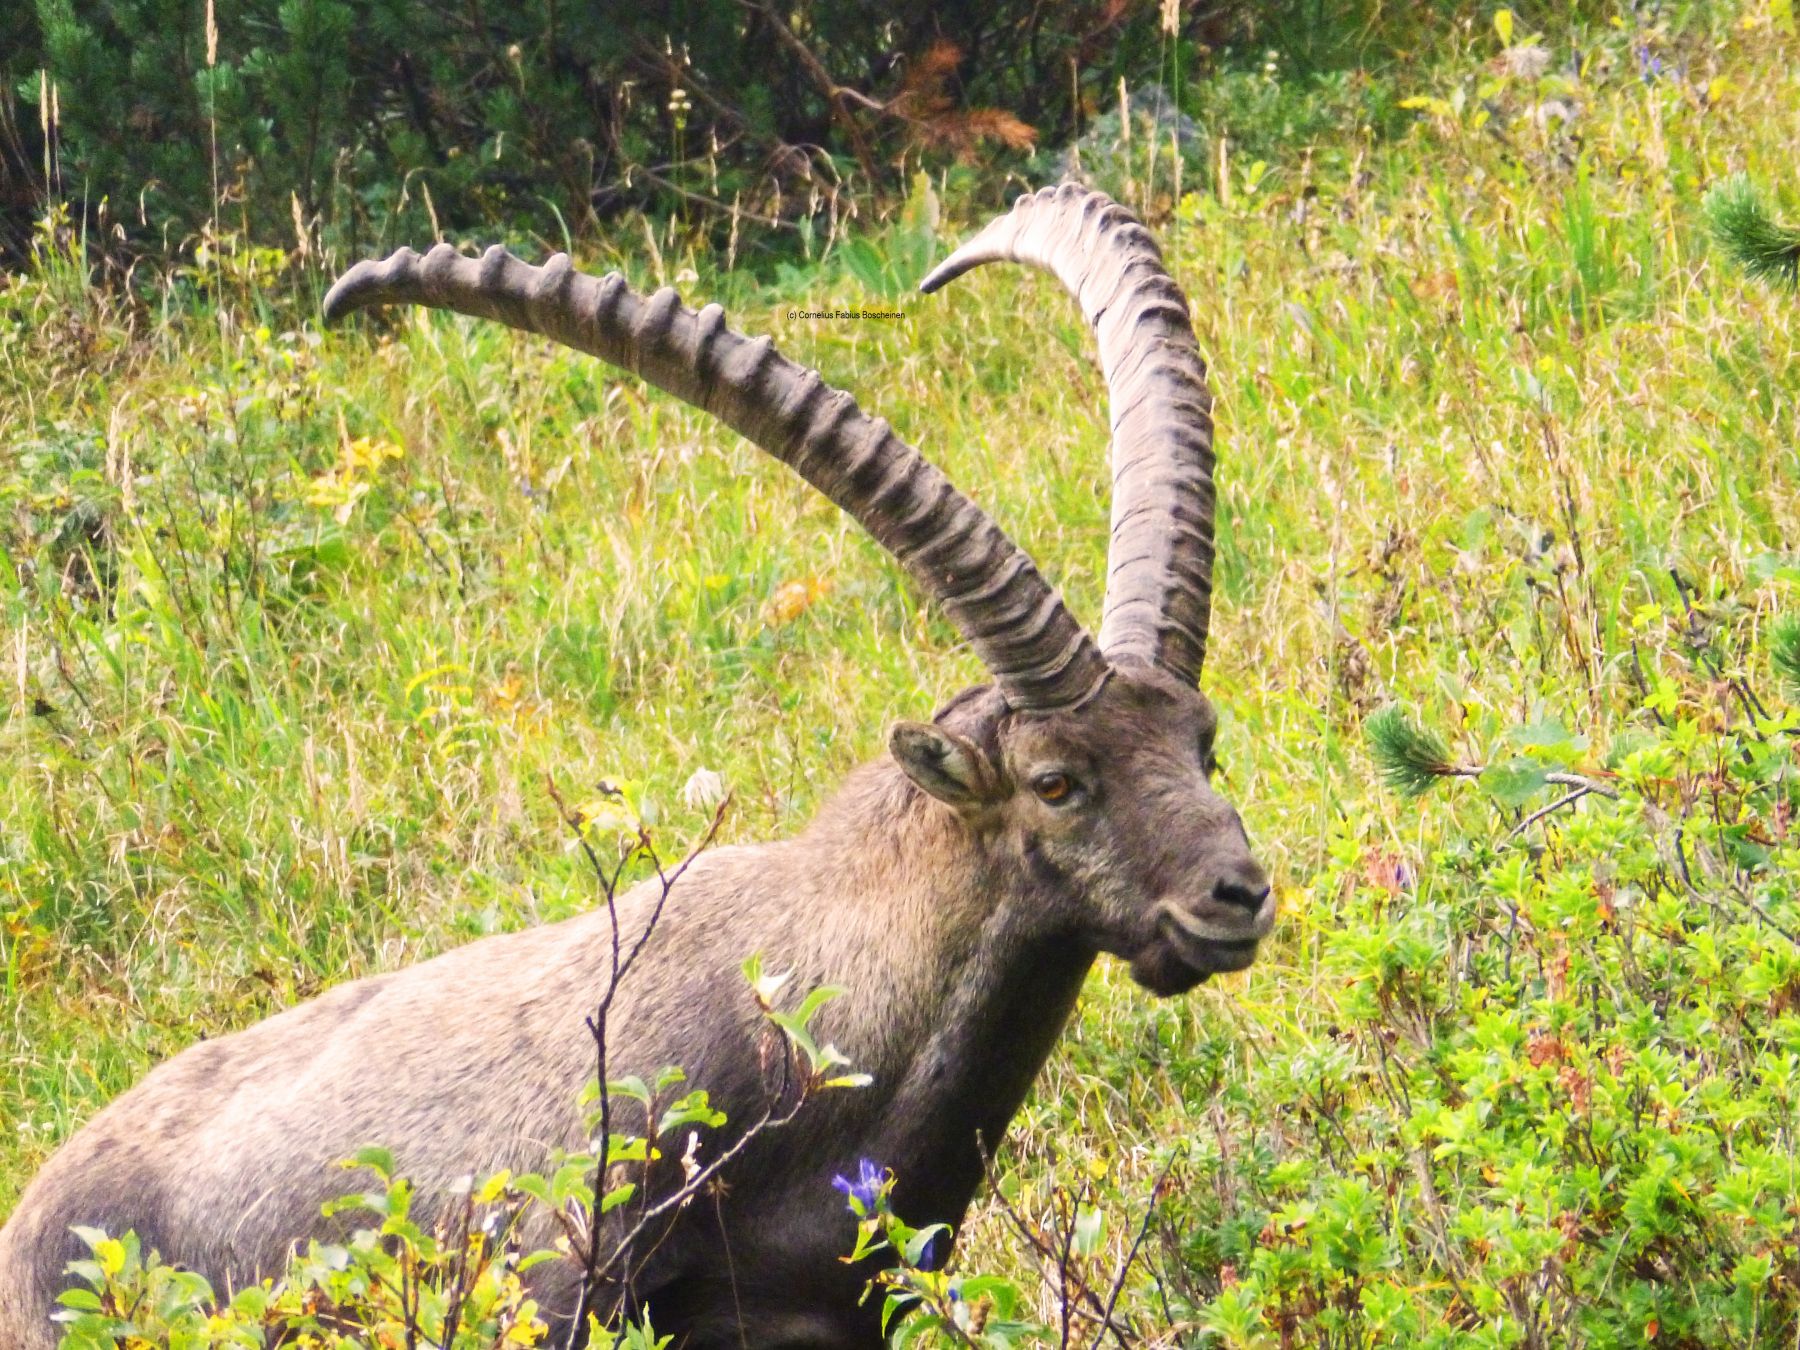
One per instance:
(865, 1191)
(935, 1253)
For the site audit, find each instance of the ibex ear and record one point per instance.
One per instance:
(949, 767)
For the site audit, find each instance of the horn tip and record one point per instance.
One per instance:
(351, 291)
(950, 269)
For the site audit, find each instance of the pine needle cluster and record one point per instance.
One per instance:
(1784, 651)
(1409, 758)
(1742, 226)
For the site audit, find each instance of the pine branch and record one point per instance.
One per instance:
(1409, 758)
(1744, 229)
(1784, 651)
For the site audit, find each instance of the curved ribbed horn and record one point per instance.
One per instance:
(1159, 567)
(1037, 653)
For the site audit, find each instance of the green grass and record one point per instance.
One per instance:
(1478, 404)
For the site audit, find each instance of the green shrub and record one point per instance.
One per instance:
(1557, 1105)
(373, 121)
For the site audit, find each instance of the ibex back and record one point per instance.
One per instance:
(959, 888)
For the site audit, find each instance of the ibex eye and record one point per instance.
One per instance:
(1053, 787)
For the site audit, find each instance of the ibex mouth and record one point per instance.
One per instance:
(1186, 949)
(1225, 925)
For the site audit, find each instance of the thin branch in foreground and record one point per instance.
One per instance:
(1137, 1242)
(607, 1264)
(595, 1269)
(1081, 1300)
(1568, 800)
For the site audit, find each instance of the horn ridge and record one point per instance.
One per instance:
(1039, 656)
(1159, 566)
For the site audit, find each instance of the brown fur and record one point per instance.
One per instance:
(960, 932)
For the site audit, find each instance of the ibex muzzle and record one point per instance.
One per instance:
(959, 888)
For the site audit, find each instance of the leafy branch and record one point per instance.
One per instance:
(1413, 759)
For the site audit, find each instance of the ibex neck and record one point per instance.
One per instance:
(969, 987)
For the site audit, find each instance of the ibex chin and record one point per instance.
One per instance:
(959, 888)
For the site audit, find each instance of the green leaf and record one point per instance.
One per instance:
(571, 1181)
(1551, 739)
(863, 261)
(1742, 849)
(630, 1086)
(796, 1032)
(627, 1148)
(494, 1187)
(692, 1109)
(617, 1196)
(380, 1159)
(1515, 782)
(251, 1301)
(920, 1241)
(815, 1000)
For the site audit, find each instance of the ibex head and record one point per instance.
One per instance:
(1109, 811)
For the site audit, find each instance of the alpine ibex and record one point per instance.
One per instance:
(959, 888)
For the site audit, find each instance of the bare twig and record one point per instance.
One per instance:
(1062, 1258)
(1131, 1254)
(668, 881)
(675, 1200)
(1551, 809)
(1586, 784)
(607, 1264)
(595, 1270)
(1081, 1301)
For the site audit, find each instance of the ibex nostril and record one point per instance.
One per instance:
(1244, 896)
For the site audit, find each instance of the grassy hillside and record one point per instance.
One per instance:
(296, 625)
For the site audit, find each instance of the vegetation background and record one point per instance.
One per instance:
(296, 625)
